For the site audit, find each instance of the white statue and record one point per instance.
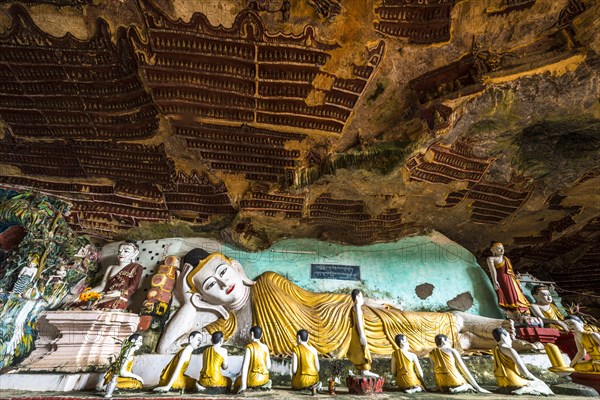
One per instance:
(451, 373)
(120, 281)
(216, 295)
(545, 308)
(512, 376)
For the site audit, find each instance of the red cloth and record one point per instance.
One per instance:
(510, 295)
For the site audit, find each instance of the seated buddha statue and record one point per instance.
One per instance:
(120, 281)
(126, 379)
(256, 364)
(512, 376)
(545, 308)
(305, 364)
(406, 367)
(173, 375)
(215, 286)
(587, 343)
(214, 359)
(451, 373)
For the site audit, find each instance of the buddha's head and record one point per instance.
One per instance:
(574, 323)
(128, 251)
(302, 336)
(215, 279)
(195, 339)
(541, 294)
(501, 336)
(497, 249)
(401, 341)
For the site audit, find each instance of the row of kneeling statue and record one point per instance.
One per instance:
(451, 373)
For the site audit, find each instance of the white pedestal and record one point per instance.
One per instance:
(77, 340)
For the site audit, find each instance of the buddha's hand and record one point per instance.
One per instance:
(161, 389)
(496, 285)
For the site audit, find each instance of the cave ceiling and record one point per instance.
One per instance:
(350, 121)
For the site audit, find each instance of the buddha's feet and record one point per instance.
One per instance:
(368, 374)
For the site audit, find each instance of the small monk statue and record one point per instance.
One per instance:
(126, 379)
(451, 373)
(358, 351)
(214, 359)
(545, 308)
(508, 288)
(256, 364)
(120, 281)
(406, 367)
(587, 343)
(512, 376)
(305, 364)
(173, 375)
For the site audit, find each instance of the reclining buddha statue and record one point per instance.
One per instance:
(215, 284)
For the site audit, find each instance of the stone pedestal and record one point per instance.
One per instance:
(77, 340)
(588, 379)
(363, 385)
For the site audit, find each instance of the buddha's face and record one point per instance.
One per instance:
(497, 249)
(219, 282)
(127, 253)
(543, 297)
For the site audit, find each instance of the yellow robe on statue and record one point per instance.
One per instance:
(447, 373)
(553, 313)
(406, 372)
(280, 308)
(124, 382)
(211, 376)
(258, 374)
(306, 374)
(506, 371)
(358, 354)
(181, 381)
(593, 350)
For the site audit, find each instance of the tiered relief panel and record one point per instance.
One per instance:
(445, 165)
(195, 198)
(459, 78)
(347, 218)
(91, 159)
(274, 204)
(490, 203)
(244, 74)
(419, 21)
(260, 154)
(57, 87)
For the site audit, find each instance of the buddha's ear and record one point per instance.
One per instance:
(247, 281)
(203, 305)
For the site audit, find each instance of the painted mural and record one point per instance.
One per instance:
(50, 264)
